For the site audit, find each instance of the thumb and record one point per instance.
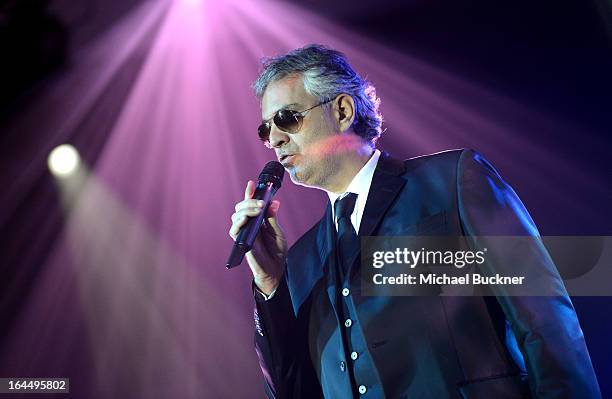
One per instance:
(273, 209)
(271, 216)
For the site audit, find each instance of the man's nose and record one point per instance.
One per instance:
(278, 137)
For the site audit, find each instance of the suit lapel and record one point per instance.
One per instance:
(386, 184)
(326, 238)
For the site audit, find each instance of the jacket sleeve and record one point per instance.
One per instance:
(546, 327)
(281, 343)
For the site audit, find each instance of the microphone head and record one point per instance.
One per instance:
(273, 173)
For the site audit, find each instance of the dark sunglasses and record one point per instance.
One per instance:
(287, 120)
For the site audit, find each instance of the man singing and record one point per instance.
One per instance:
(316, 335)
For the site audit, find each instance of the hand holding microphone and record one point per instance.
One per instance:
(256, 231)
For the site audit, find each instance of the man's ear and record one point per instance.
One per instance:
(344, 111)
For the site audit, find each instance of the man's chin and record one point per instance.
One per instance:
(297, 175)
(294, 174)
(300, 179)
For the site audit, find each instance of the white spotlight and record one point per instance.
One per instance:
(63, 160)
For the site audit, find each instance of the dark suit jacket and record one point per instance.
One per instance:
(427, 346)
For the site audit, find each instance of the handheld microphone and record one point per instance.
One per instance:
(270, 180)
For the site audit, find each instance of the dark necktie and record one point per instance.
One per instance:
(347, 242)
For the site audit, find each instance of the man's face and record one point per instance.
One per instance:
(311, 149)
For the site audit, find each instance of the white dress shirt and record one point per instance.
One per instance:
(360, 185)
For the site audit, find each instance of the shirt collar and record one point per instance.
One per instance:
(360, 184)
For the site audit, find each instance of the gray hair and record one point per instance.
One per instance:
(327, 73)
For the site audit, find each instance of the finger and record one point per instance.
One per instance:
(233, 232)
(248, 203)
(236, 226)
(273, 209)
(272, 219)
(250, 189)
(245, 212)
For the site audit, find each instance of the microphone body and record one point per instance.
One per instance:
(269, 182)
